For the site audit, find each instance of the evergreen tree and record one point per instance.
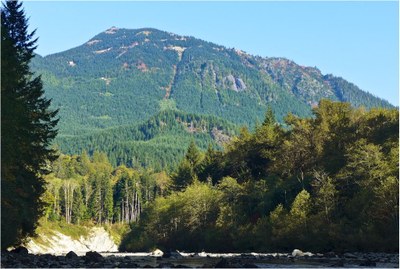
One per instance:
(183, 176)
(193, 154)
(187, 169)
(78, 207)
(108, 201)
(210, 166)
(27, 129)
(269, 117)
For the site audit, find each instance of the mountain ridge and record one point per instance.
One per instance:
(146, 30)
(123, 77)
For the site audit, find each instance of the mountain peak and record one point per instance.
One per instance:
(111, 30)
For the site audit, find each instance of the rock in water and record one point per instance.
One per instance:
(297, 253)
(308, 254)
(71, 255)
(20, 250)
(93, 256)
(157, 253)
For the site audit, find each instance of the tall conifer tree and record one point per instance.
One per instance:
(28, 126)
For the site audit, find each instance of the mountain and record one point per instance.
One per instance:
(123, 77)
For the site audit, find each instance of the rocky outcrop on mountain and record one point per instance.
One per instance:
(234, 83)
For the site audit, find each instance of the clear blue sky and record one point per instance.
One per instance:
(358, 41)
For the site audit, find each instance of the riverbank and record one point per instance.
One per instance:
(20, 258)
(57, 243)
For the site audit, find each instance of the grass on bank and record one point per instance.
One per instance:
(117, 231)
(48, 228)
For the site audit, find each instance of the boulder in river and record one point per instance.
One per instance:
(93, 256)
(71, 255)
(20, 250)
(157, 253)
(297, 253)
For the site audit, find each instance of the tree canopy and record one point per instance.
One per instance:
(328, 182)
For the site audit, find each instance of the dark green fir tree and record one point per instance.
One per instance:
(28, 126)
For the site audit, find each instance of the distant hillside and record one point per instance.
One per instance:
(123, 76)
(159, 142)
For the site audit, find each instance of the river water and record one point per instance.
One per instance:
(198, 260)
(261, 260)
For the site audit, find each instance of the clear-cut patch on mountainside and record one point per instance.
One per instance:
(146, 33)
(112, 30)
(92, 42)
(178, 49)
(102, 51)
(134, 44)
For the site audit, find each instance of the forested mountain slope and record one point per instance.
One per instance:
(123, 76)
(159, 143)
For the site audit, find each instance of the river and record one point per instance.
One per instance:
(199, 260)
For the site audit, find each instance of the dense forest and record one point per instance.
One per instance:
(328, 182)
(158, 143)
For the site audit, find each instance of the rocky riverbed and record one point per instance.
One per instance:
(20, 258)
